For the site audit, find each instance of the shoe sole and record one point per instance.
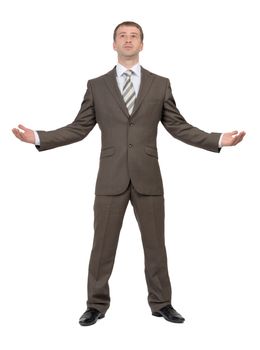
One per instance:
(158, 314)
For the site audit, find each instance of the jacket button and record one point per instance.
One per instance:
(130, 145)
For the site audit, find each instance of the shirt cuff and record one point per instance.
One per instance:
(220, 141)
(37, 139)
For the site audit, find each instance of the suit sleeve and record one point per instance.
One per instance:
(74, 132)
(179, 128)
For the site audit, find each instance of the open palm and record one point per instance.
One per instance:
(24, 134)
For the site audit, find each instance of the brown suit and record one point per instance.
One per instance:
(129, 170)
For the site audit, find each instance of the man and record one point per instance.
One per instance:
(128, 103)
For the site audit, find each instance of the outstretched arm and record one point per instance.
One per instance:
(74, 132)
(179, 128)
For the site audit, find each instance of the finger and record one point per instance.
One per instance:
(235, 141)
(22, 127)
(242, 135)
(238, 138)
(17, 133)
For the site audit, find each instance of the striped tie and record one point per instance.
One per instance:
(129, 92)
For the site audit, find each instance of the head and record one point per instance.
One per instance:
(128, 40)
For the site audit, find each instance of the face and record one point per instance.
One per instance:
(128, 42)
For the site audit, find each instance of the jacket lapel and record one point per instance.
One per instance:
(110, 79)
(146, 82)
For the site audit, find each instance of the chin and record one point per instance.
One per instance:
(129, 54)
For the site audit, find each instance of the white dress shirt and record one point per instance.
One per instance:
(135, 78)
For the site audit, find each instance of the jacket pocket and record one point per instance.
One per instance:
(151, 151)
(107, 152)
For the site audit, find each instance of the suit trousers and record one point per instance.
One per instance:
(109, 211)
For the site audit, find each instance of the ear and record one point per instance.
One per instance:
(114, 46)
(142, 46)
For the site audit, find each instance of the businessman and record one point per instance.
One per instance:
(128, 103)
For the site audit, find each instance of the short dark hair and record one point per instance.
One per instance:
(129, 24)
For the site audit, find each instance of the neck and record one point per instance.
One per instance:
(128, 62)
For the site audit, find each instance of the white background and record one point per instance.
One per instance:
(210, 52)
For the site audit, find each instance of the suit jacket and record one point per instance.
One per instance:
(129, 150)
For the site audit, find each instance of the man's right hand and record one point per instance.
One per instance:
(24, 134)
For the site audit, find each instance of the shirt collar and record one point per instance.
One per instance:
(120, 69)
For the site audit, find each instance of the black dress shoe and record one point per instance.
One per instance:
(90, 317)
(169, 314)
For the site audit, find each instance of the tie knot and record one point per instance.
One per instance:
(128, 73)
